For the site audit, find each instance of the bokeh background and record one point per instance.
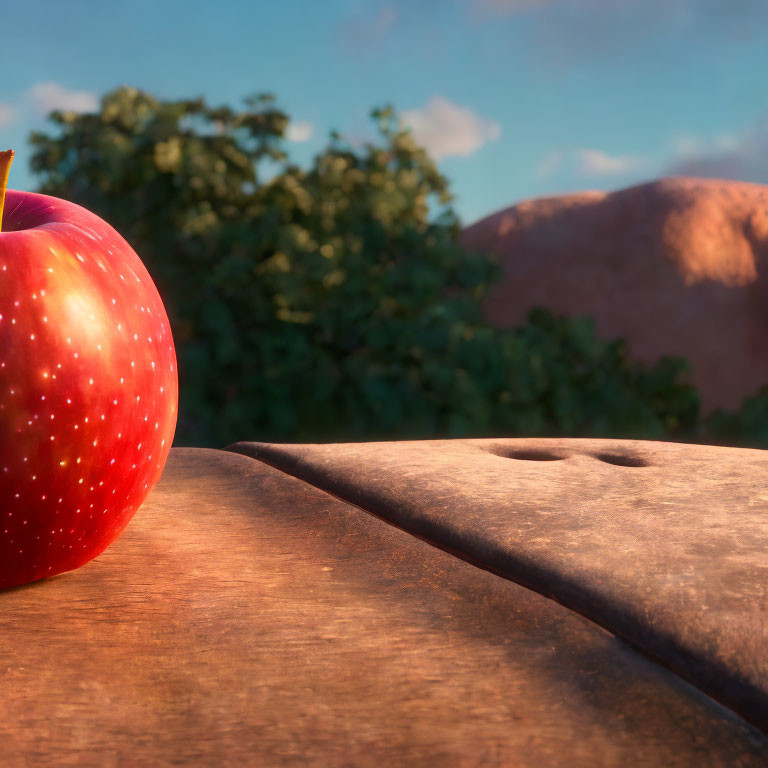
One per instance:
(301, 180)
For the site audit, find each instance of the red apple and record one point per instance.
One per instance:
(88, 385)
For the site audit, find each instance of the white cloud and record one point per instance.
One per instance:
(7, 115)
(366, 29)
(299, 131)
(383, 21)
(594, 162)
(588, 163)
(549, 165)
(690, 147)
(562, 33)
(446, 129)
(51, 96)
(738, 156)
(509, 6)
(741, 157)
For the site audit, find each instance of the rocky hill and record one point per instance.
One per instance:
(677, 266)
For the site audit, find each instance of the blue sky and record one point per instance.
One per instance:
(516, 98)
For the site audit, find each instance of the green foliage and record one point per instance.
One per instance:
(747, 427)
(333, 302)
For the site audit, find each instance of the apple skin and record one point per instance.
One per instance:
(88, 386)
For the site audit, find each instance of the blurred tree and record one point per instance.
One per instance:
(333, 302)
(747, 427)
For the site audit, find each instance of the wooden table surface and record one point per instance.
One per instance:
(357, 605)
(663, 544)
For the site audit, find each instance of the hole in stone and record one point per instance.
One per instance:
(622, 460)
(530, 454)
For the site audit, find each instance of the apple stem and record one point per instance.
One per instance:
(6, 158)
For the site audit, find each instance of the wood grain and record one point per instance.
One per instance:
(663, 544)
(245, 618)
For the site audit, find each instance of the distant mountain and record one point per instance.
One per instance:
(678, 266)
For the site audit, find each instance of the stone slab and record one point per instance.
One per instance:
(663, 544)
